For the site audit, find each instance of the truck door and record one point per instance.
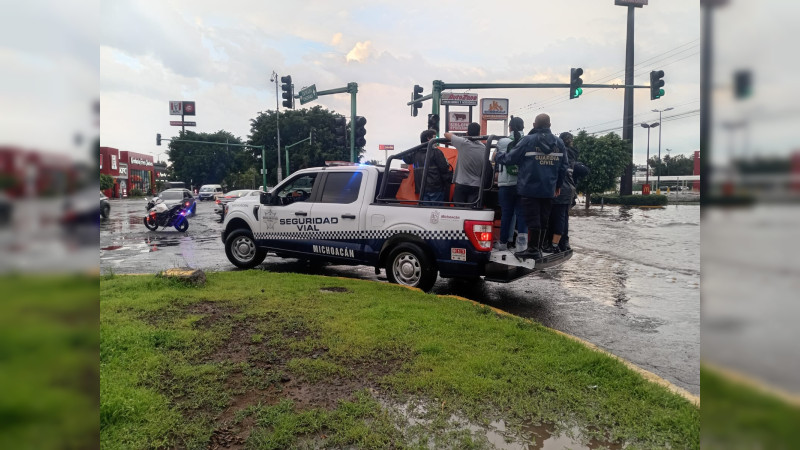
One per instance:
(284, 223)
(337, 216)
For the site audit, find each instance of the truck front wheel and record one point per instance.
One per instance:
(409, 265)
(242, 251)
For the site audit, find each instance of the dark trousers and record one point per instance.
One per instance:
(537, 212)
(559, 220)
(465, 194)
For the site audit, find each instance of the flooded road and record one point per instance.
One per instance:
(632, 287)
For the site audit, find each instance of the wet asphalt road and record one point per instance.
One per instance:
(632, 287)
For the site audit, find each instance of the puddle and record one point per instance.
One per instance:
(422, 424)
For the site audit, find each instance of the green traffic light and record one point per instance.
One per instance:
(660, 93)
(578, 92)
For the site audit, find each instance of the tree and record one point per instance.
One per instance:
(672, 165)
(106, 182)
(295, 126)
(200, 164)
(373, 162)
(606, 157)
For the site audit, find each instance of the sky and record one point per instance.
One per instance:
(223, 57)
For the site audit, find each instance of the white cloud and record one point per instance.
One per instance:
(336, 39)
(360, 52)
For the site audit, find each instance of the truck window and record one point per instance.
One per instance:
(341, 187)
(297, 190)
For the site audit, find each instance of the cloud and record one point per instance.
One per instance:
(360, 52)
(336, 39)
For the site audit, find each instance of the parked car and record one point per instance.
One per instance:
(105, 206)
(224, 199)
(175, 196)
(209, 192)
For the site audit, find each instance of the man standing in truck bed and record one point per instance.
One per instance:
(471, 155)
(542, 160)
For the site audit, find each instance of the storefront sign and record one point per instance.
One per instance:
(113, 162)
(141, 162)
(494, 108)
(458, 120)
(459, 98)
(123, 170)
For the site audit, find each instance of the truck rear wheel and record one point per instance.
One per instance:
(409, 265)
(242, 250)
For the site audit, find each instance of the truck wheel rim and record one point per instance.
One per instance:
(243, 249)
(407, 269)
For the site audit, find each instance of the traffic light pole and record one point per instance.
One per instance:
(439, 86)
(278, 130)
(352, 89)
(286, 149)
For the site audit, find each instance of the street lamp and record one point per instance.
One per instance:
(647, 165)
(659, 111)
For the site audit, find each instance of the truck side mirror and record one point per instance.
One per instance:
(265, 198)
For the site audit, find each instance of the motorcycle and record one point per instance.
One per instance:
(159, 215)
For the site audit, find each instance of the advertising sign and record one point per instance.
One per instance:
(123, 170)
(386, 147)
(178, 108)
(459, 98)
(185, 123)
(141, 162)
(458, 121)
(494, 108)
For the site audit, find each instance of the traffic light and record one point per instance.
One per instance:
(340, 130)
(433, 122)
(575, 83)
(360, 131)
(415, 96)
(313, 136)
(158, 138)
(288, 92)
(656, 84)
(743, 84)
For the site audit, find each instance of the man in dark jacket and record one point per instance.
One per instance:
(542, 160)
(438, 176)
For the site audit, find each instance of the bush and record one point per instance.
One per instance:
(135, 192)
(632, 200)
(106, 182)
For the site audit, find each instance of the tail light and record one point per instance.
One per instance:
(218, 202)
(152, 213)
(479, 234)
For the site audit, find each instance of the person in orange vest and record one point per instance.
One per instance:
(438, 176)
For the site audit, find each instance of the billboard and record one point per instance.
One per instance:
(636, 3)
(181, 108)
(459, 98)
(494, 108)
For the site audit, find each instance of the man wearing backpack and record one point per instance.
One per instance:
(471, 157)
(542, 160)
(510, 202)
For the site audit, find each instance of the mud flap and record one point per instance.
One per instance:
(504, 267)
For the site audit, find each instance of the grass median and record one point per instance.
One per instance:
(266, 360)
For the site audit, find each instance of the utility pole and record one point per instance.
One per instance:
(277, 129)
(626, 182)
(659, 111)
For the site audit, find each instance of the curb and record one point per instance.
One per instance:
(755, 384)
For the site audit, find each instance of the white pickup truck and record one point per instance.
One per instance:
(349, 215)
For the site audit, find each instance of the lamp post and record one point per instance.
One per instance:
(647, 164)
(659, 111)
(277, 129)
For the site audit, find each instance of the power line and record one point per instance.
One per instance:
(684, 115)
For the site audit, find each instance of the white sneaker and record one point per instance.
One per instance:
(501, 247)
